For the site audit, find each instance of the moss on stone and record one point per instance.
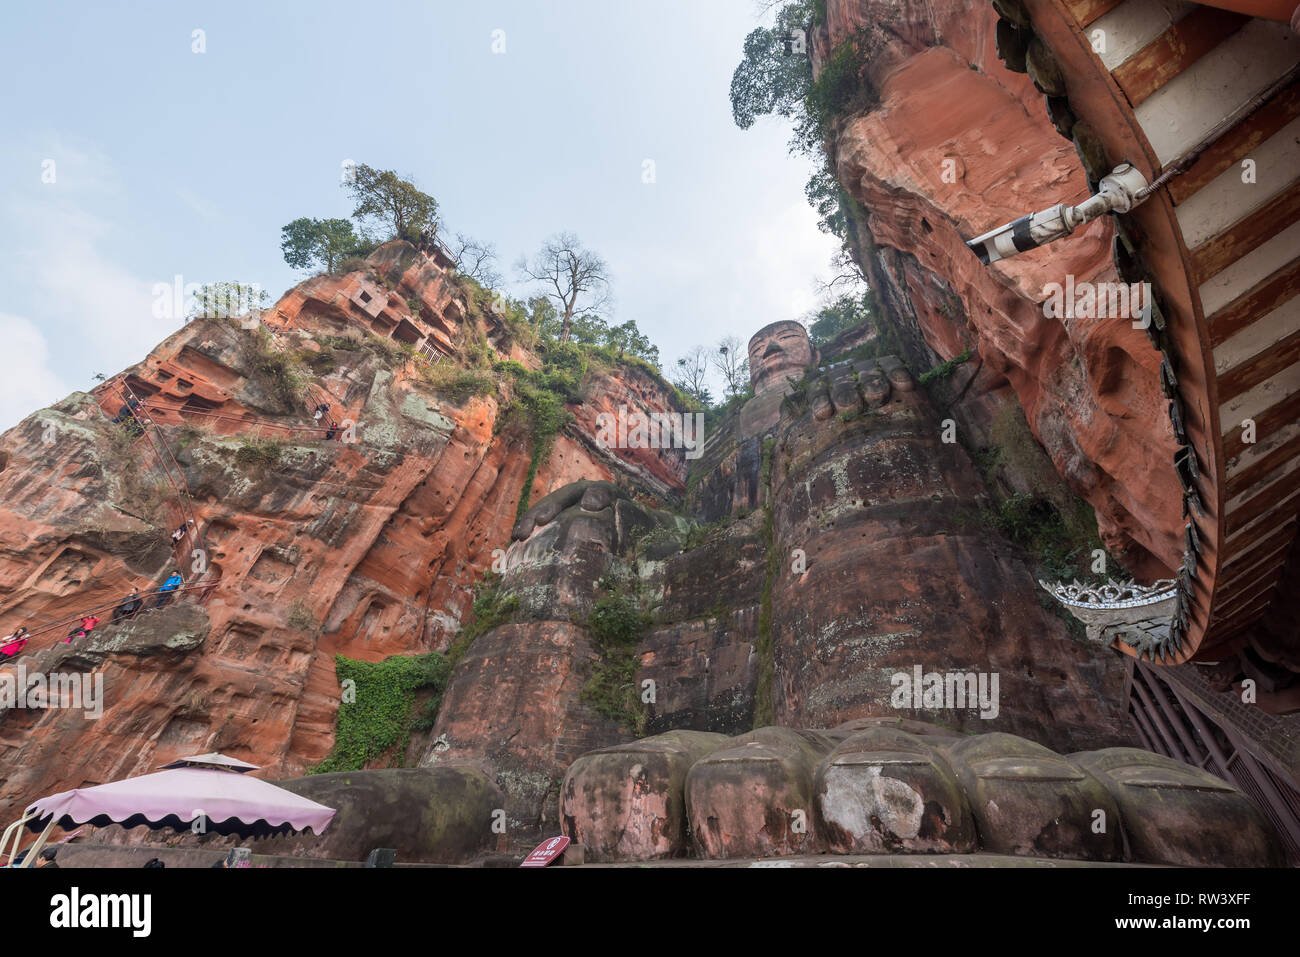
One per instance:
(491, 608)
(945, 369)
(764, 704)
(616, 622)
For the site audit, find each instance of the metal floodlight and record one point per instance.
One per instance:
(1118, 192)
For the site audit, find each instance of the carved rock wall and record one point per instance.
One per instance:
(957, 145)
(875, 787)
(312, 547)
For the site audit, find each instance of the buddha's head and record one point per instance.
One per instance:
(777, 352)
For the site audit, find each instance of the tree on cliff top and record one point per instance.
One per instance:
(617, 342)
(574, 278)
(776, 78)
(771, 79)
(841, 314)
(226, 300)
(393, 204)
(626, 339)
(318, 243)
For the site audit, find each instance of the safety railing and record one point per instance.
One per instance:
(149, 601)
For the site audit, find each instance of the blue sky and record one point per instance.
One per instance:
(169, 162)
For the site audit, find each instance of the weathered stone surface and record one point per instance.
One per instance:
(513, 708)
(874, 385)
(514, 703)
(1028, 801)
(702, 652)
(626, 803)
(726, 479)
(440, 815)
(899, 573)
(176, 631)
(843, 390)
(705, 673)
(754, 798)
(906, 787)
(900, 380)
(883, 790)
(570, 547)
(1180, 815)
(723, 571)
(919, 729)
(820, 403)
(760, 413)
(659, 471)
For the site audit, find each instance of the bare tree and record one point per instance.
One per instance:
(848, 275)
(575, 278)
(477, 260)
(693, 374)
(732, 362)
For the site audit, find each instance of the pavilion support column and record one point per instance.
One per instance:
(1154, 713)
(1172, 712)
(1207, 736)
(1260, 776)
(1144, 725)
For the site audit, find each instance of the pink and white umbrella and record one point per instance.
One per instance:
(210, 788)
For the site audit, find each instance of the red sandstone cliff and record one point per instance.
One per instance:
(312, 548)
(957, 145)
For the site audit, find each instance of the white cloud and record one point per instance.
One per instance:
(71, 306)
(27, 383)
(787, 255)
(87, 302)
(740, 273)
(734, 281)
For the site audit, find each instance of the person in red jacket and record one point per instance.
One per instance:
(80, 631)
(15, 643)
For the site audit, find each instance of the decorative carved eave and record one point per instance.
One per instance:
(1111, 595)
(1140, 616)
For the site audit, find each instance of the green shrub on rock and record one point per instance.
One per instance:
(376, 712)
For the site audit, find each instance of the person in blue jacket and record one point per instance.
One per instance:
(169, 586)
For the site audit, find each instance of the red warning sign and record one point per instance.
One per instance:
(546, 853)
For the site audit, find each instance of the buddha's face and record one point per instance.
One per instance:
(777, 352)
